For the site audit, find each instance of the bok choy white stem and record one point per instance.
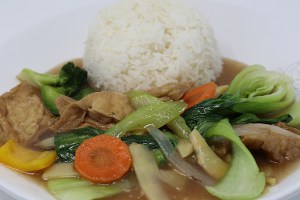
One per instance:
(78, 189)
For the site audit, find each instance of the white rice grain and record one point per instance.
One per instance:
(138, 44)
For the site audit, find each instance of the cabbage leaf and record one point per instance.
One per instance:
(242, 180)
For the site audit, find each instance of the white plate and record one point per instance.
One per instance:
(244, 33)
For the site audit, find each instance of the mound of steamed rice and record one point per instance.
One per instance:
(138, 44)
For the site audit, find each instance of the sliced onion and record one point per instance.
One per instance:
(258, 128)
(174, 158)
(46, 144)
(147, 172)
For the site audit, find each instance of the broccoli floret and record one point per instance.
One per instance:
(49, 95)
(72, 78)
(68, 82)
(36, 79)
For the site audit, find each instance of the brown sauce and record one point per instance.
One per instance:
(276, 170)
(191, 190)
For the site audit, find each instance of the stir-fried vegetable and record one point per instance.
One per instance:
(243, 179)
(68, 82)
(147, 172)
(106, 158)
(67, 143)
(199, 94)
(173, 178)
(294, 111)
(261, 91)
(155, 114)
(251, 118)
(83, 93)
(148, 140)
(184, 148)
(78, 189)
(159, 157)
(140, 99)
(23, 159)
(206, 157)
(203, 115)
(102, 159)
(173, 157)
(60, 170)
(208, 112)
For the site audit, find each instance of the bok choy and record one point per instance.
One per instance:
(208, 112)
(78, 189)
(67, 143)
(261, 91)
(242, 180)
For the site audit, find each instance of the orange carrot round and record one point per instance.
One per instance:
(103, 159)
(199, 94)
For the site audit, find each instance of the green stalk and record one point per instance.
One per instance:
(155, 114)
(140, 99)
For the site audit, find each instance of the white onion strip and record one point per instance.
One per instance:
(174, 158)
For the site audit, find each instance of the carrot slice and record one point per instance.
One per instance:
(199, 94)
(103, 159)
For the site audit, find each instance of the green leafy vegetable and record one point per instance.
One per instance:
(67, 143)
(242, 180)
(206, 113)
(148, 140)
(294, 111)
(68, 82)
(261, 91)
(251, 118)
(210, 111)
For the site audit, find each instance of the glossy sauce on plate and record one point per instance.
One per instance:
(191, 190)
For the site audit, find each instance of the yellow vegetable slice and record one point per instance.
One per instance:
(23, 159)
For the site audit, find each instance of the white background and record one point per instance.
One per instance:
(17, 16)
